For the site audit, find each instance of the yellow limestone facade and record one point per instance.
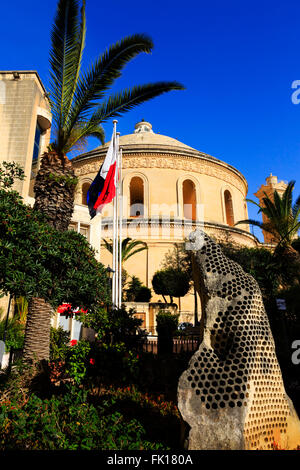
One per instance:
(25, 121)
(168, 189)
(25, 126)
(268, 189)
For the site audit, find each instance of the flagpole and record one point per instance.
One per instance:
(114, 298)
(120, 230)
(117, 225)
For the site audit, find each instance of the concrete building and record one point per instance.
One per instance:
(25, 122)
(268, 189)
(169, 188)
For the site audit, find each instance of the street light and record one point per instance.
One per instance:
(110, 272)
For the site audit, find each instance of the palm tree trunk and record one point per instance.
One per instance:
(54, 196)
(37, 332)
(54, 190)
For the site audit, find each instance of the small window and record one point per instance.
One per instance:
(84, 230)
(228, 208)
(189, 200)
(136, 197)
(84, 190)
(36, 145)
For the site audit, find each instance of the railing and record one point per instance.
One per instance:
(180, 344)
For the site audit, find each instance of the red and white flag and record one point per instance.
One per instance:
(103, 188)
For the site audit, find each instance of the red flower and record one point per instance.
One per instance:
(73, 342)
(64, 308)
(92, 361)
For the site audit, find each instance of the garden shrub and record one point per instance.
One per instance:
(143, 295)
(112, 326)
(77, 359)
(59, 340)
(114, 363)
(166, 325)
(14, 334)
(68, 422)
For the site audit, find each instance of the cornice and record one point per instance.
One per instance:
(179, 223)
(201, 164)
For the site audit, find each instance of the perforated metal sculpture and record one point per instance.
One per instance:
(232, 394)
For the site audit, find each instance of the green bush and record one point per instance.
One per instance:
(143, 295)
(114, 363)
(166, 322)
(14, 334)
(166, 326)
(68, 422)
(112, 326)
(77, 360)
(59, 340)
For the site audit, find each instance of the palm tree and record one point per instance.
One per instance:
(79, 105)
(129, 247)
(282, 219)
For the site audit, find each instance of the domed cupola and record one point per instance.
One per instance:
(143, 126)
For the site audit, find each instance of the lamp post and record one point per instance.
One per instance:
(110, 272)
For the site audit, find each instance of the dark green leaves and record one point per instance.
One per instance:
(282, 217)
(119, 103)
(37, 260)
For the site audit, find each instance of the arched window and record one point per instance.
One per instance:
(189, 199)
(136, 190)
(84, 191)
(228, 208)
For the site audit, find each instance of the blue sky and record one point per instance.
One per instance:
(237, 60)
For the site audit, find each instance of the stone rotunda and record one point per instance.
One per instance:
(169, 189)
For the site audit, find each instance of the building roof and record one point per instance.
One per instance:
(144, 140)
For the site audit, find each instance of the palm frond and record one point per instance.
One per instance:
(296, 209)
(128, 247)
(101, 75)
(119, 103)
(80, 133)
(131, 253)
(268, 208)
(80, 48)
(108, 244)
(67, 38)
(287, 197)
(279, 205)
(257, 223)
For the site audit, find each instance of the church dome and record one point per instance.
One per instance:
(144, 138)
(168, 190)
(144, 135)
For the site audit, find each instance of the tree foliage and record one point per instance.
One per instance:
(129, 247)
(270, 270)
(112, 325)
(283, 217)
(38, 261)
(172, 282)
(137, 292)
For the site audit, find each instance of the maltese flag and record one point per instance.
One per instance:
(103, 188)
